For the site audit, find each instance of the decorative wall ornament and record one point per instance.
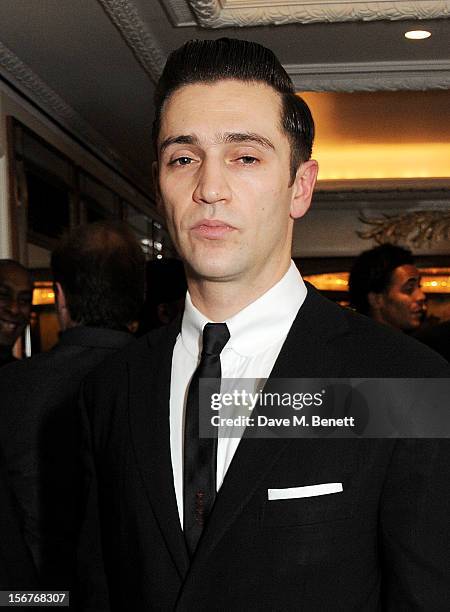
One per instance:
(136, 34)
(418, 228)
(209, 13)
(52, 104)
(371, 76)
(239, 13)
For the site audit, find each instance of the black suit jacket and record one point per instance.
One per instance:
(380, 544)
(39, 440)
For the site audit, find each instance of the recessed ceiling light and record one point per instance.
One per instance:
(417, 34)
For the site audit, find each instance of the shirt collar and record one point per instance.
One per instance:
(273, 312)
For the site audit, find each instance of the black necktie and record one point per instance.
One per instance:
(200, 454)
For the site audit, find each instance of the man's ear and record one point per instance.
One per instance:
(62, 311)
(155, 178)
(303, 187)
(375, 300)
(60, 298)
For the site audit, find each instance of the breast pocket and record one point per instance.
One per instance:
(306, 505)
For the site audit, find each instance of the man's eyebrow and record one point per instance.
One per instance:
(227, 137)
(413, 279)
(182, 139)
(250, 137)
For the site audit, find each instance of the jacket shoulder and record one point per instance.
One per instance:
(142, 351)
(367, 348)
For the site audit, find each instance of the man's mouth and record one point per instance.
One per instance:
(418, 313)
(9, 326)
(211, 229)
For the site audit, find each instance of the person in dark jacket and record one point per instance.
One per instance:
(98, 275)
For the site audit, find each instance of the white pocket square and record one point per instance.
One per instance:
(308, 491)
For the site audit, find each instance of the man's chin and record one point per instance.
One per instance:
(417, 321)
(412, 325)
(7, 338)
(213, 272)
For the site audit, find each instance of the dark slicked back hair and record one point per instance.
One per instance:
(101, 268)
(372, 272)
(209, 61)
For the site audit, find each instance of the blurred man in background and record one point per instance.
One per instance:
(16, 293)
(98, 273)
(384, 284)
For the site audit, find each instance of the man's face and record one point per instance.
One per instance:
(402, 304)
(224, 181)
(15, 303)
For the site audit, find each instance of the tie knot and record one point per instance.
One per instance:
(215, 336)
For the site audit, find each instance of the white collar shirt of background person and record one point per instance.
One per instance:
(257, 334)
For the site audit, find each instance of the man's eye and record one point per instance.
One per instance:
(248, 160)
(181, 161)
(409, 289)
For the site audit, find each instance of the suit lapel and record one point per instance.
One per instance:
(305, 354)
(150, 428)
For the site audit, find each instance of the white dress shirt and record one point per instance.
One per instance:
(257, 334)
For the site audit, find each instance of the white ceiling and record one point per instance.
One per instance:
(92, 64)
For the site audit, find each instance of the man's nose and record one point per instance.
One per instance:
(13, 306)
(212, 185)
(419, 295)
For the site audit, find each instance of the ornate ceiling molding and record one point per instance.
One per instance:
(51, 103)
(371, 76)
(179, 13)
(238, 13)
(136, 34)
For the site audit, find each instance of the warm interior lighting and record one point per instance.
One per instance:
(381, 135)
(417, 34)
(43, 293)
(335, 281)
(382, 161)
(338, 281)
(436, 284)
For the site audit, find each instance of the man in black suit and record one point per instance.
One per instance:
(98, 273)
(253, 524)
